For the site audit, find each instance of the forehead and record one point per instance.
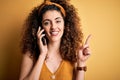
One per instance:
(51, 14)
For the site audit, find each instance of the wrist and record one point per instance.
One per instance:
(42, 55)
(81, 64)
(82, 68)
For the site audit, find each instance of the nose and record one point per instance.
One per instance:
(53, 25)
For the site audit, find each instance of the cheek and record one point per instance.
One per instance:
(62, 26)
(46, 30)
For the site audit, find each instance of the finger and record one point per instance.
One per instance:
(44, 41)
(41, 38)
(85, 46)
(87, 40)
(40, 33)
(39, 29)
(86, 51)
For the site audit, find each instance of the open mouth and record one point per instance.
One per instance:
(54, 33)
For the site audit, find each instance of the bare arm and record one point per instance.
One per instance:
(80, 74)
(30, 71)
(26, 66)
(83, 55)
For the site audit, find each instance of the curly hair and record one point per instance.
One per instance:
(71, 39)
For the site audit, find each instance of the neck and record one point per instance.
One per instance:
(53, 48)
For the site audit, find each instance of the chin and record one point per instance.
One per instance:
(55, 39)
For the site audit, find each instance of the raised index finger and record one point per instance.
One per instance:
(87, 40)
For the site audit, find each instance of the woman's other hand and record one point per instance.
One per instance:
(84, 53)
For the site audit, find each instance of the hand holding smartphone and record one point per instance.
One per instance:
(41, 40)
(41, 35)
(44, 40)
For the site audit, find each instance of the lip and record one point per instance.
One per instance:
(54, 33)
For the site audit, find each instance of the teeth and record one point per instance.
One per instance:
(54, 32)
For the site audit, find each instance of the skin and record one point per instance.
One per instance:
(83, 54)
(53, 25)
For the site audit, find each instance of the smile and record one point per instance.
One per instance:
(54, 33)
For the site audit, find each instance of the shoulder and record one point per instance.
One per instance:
(28, 58)
(26, 65)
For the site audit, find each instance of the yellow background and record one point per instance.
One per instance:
(101, 18)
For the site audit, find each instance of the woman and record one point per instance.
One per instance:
(52, 43)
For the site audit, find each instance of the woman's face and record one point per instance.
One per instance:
(53, 24)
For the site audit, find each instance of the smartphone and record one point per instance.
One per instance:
(44, 38)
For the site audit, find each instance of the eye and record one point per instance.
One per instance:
(58, 21)
(46, 23)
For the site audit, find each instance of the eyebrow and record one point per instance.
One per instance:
(45, 20)
(49, 19)
(58, 18)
